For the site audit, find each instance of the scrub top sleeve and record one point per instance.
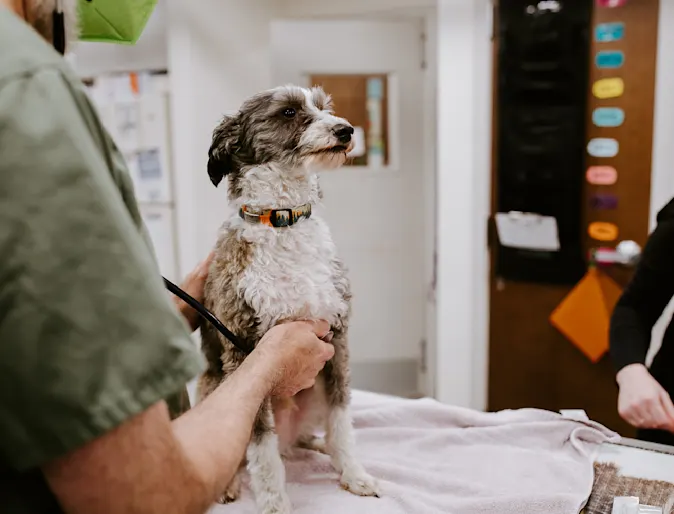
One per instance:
(88, 336)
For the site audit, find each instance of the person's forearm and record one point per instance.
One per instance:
(215, 434)
(629, 337)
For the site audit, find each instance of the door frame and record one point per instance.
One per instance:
(465, 60)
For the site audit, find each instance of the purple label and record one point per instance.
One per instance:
(604, 202)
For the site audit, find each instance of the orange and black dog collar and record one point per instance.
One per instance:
(276, 218)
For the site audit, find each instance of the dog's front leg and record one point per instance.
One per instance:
(340, 440)
(266, 469)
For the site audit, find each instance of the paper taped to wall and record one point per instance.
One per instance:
(359, 145)
(527, 231)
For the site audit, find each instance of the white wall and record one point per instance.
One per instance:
(464, 129)
(149, 53)
(219, 54)
(464, 120)
(351, 8)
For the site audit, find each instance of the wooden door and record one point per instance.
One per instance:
(531, 363)
(375, 80)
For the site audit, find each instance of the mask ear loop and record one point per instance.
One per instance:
(59, 28)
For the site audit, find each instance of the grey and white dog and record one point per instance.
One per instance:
(275, 262)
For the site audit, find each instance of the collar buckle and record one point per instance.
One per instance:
(280, 218)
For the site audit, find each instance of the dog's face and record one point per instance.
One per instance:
(291, 127)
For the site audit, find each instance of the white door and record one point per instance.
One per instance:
(376, 214)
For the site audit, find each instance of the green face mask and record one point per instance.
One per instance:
(114, 21)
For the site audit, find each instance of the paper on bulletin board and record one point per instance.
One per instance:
(149, 162)
(527, 231)
(150, 176)
(584, 315)
(359, 144)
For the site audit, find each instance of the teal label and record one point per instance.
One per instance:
(375, 88)
(608, 32)
(610, 59)
(608, 117)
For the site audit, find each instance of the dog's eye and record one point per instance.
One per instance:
(289, 112)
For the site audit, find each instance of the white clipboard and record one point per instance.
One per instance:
(527, 231)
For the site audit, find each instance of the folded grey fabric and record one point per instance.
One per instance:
(434, 458)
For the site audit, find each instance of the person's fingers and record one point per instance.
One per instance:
(654, 413)
(668, 407)
(635, 414)
(632, 418)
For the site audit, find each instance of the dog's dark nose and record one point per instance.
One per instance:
(343, 133)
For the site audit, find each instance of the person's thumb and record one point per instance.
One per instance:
(328, 351)
(205, 265)
(319, 327)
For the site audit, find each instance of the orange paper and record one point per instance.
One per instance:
(601, 231)
(133, 78)
(584, 315)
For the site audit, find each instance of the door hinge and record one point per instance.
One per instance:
(424, 351)
(424, 48)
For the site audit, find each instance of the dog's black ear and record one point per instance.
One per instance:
(222, 150)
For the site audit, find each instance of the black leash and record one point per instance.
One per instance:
(207, 315)
(59, 28)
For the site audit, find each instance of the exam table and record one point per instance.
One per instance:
(433, 458)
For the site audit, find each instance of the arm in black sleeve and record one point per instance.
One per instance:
(644, 299)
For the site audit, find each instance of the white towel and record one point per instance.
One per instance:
(433, 458)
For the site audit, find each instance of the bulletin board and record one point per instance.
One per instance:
(363, 100)
(621, 109)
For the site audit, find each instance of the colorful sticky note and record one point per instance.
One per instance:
(609, 32)
(611, 3)
(584, 315)
(602, 231)
(375, 88)
(608, 88)
(610, 59)
(608, 116)
(603, 147)
(603, 201)
(602, 175)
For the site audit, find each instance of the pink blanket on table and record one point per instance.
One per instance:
(434, 458)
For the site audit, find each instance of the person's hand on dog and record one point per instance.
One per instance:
(193, 284)
(643, 402)
(298, 351)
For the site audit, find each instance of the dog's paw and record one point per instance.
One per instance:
(278, 505)
(232, 493)
(313, 443)
(360, 483)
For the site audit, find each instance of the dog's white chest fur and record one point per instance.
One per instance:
(291, 274)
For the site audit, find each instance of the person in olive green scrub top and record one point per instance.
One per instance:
(91, 346)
